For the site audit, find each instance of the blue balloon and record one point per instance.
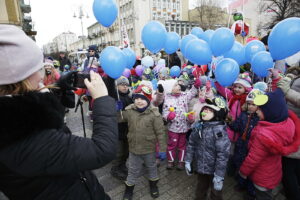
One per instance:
(207, 35)
(252, 48)
(227, 71)
(261, 62)
(184, 42)
(172, 42)
(147, 61)
(113, 61)
(222, 41)
(105, 11)
(284, 39)
(198, 52)
(197, 31)
(130, 57)
(175, 71)
(154, 84)
(237, 53)
(154, 36)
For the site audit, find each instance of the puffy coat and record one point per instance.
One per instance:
(293, 96)
(39, 161)
(268, 142)
(209, 148)
(145, 129)
(180, 123)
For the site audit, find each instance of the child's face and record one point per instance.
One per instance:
(238, 89)
(252, 108)
(140, 103)
(123, 88)
(260, 114)
(176, 89)
(207, 114)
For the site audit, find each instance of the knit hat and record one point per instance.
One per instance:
(143, 92)
(20, 57)
(164, 71)
(122, 80)
(218, 105)
(253, 94)
(244, 79)
(92, 48)
(275, 109)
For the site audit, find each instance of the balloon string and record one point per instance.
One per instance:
(118, 97)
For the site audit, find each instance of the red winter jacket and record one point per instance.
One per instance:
(268, 142)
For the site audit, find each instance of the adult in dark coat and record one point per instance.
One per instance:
(37, 159)
(63, 60)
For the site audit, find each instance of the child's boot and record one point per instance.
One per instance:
(154, 189)
(128, 192)
(170, 165)
(180, 166)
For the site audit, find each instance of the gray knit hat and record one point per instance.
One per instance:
(122, 80)
(20, 57)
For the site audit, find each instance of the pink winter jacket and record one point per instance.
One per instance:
(180, 103)
(235, 110)
(268, 142)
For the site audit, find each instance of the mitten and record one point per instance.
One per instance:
(171, 116)
(197, 83)
(162, 155)
(160, 88)
(284, 84)
(119, 105)
(188, 168)
(218, 182)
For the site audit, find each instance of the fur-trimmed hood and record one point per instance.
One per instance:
(27, 114)
(277, 148)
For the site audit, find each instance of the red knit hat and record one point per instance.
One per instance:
(143, 92)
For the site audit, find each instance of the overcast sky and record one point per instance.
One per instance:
(52, 17)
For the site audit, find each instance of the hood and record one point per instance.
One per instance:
(24, 115)
(286, 138)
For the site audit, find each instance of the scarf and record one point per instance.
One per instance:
(241, 98)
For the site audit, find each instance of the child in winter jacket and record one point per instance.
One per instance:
(145, 129)
(175, 111)
(276, 134)
(209, 148)
(244, 125)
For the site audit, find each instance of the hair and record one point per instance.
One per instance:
(16, 88)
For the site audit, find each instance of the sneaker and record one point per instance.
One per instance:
(170, 165)
(180, 166)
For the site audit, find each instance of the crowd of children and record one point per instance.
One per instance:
(246, 130)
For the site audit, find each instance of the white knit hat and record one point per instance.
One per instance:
(20, 57)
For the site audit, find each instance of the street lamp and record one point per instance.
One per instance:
(80, 16)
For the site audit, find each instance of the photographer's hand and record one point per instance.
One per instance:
(96, 86)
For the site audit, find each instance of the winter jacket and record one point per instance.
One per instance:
(62, 62)
(180, 123)
(268, 142)
(293, 96)
(209, 148)
(39, 161)
(145, 129)
(243, 125)
(235, 109)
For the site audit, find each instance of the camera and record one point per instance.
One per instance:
(79, 80)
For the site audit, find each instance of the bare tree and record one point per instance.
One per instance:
(209, 13)
(278, 10)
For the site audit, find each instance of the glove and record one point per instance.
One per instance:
(65, 82)
(197, 83)
(160, 88)
(218, 182)
(188, 168)
(162, 155)
(284, 84)
(171, 116)
(119, 105)
(191, 117)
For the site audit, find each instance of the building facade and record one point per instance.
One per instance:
(133, 15)
(64, 40)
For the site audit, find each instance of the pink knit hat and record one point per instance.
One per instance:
(244, 79)
(20, 57)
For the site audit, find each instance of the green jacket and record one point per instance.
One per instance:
(145, 129)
